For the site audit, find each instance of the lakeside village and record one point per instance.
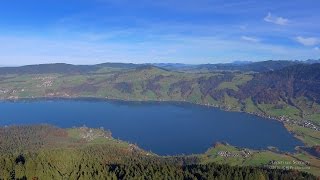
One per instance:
(303, 123)
(90, 134)
(245, 153)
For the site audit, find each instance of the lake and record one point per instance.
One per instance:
(163, 128)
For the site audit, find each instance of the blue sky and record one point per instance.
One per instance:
(176, 31)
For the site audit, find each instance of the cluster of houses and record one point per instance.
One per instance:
(310, 125)
(135, 148)
(4, 91)
(46, 81)
(303, 123)
(243, 153)
(90, 134)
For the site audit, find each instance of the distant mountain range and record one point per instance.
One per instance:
(62, 68)
(247, 66)
(262, 66)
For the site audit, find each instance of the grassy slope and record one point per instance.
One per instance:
(262, 158)
(308, 136)
(236, 81)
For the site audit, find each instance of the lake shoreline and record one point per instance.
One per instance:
(137, 101)
(178, 104)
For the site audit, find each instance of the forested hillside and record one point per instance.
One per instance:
(45, 152)
(284, 85)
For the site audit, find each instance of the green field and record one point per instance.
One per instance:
(246, 157)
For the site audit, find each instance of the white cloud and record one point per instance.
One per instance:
(251, 39)
(307, 41)
(276, 19)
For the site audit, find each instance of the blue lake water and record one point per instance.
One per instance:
(163, 128)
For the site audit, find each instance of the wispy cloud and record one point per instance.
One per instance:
(250, 39)
(276, 19)
(307, 41)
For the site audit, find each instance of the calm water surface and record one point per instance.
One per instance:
(163, 128)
